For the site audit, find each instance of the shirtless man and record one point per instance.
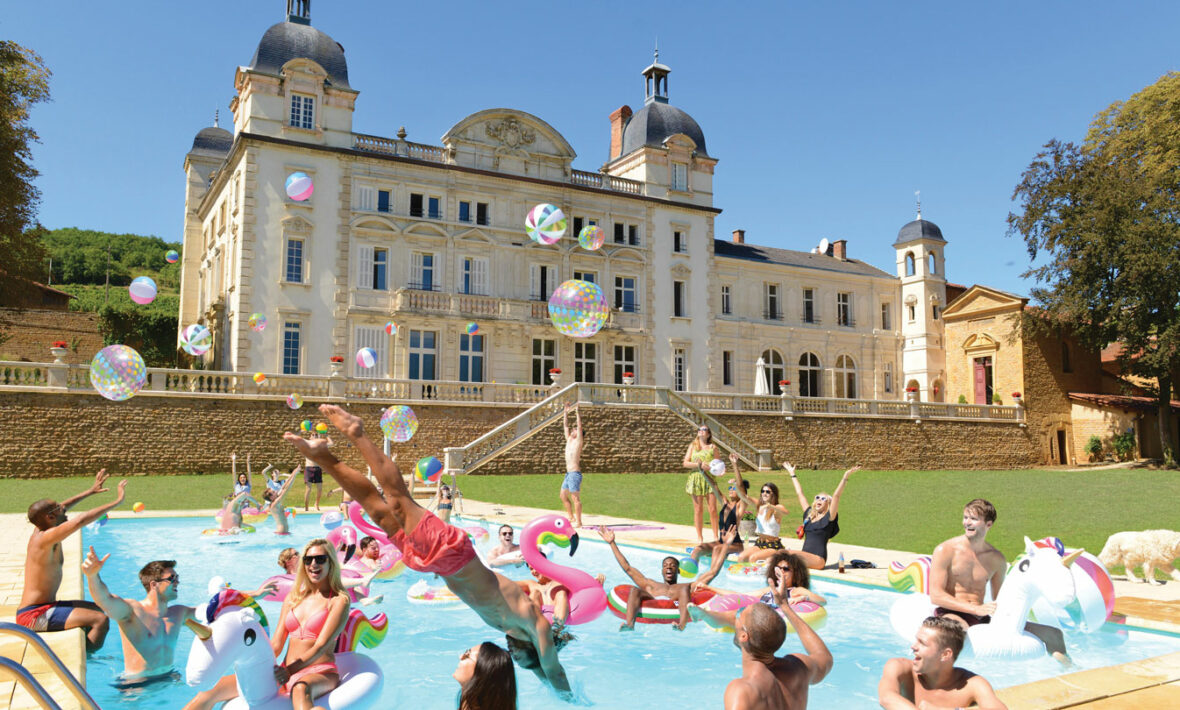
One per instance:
(507, 552)
(965, 566)
(429, 545)
(571, 485)
(548, 592)
(767, 682)
(649, 589)
(930, 680)
(39, 608)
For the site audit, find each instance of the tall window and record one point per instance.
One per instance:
(809, 375)
(475, 276)
(624, 362)
(481, 214)
(633, 235)
(591, 276)
(303, 111)
(679, 176)
(680, 369)
(383, 200)
(1066, 365)
(378, 273)
(422, 271)
(679, 242)
(679, 306)
(844, 309)
(620, 233)
(464, 211)
(885, 319)
(544, 360)
(726, 304)
(372, 337)
(471, 358)
(543, 280)
(423, 355)
(909, 264)
(933, 270)
(625, 299)
(845, 377)
(293, 271)
(364, 197)
(292, 332)
(911, 311)
(888, 377)
(415, 205)
(727, 368)
(774, 371)
(771, 303)
(578, 223)
(809, 306)
(434, 208)
(585, 362)
(934, 311)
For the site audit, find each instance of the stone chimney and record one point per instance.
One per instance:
(840, 249)
(739, 236)
(618, 120)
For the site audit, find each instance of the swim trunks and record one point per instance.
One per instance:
(317, 668)
(764, 544)
(572, 482)
(971, 619)
(50, 617)
(434, 546)
(313, 474)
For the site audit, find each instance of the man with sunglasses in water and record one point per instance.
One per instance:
(507, 552)
(430, 545)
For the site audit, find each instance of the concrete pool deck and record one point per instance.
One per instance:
(1149, 683)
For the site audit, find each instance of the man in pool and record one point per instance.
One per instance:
(571, 485)
(507, 552)
(429, 545)
(645, 588)
(40, 609)
(930, 679)
(769, 682)
(965, 566)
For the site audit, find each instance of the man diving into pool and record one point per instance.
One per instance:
(429, 545)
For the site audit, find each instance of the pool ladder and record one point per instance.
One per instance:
(11, 670)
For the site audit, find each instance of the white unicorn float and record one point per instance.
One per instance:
(1041, 577)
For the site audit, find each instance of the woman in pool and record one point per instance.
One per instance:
(444, 502)
(241, 480)
(487, 680)
(768, 521)
(819, 519)
(786, 576)
(275, 499)
(700, 485)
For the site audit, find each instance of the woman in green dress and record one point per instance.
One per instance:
(701, 485)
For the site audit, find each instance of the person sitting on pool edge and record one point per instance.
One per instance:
(645, 588)
(767, 682)
(429, 545)
(930, 678)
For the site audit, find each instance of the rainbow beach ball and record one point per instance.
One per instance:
(578, 308)
(117, 372)
(399, 423)
(171, 256)
(294, 401)
(545, 224)
(688, 567)
(428, 469)
(391, 328)
(299, 186)
(196, 339)
(142, 290)
(305, 425)
(257, 322)
(366, 358)
(591, 237)
(473, 328)
(259, 378)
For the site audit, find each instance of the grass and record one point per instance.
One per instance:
(901, 510)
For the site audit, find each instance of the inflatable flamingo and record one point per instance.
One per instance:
(587, 597)
(391, 557)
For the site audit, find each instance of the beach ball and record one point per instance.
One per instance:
(294, 401)
(366, 357)
(332, 519)
(94, 527)
(196, 339)
(257, 322)
(142, 290)
(545, 224)
(171, 256)
(717, 467)
(428, 469)
(391, 328)
(591, 237)
(138, 507)
(299, 186)
(259, 378)
(473, 328)
(688, 567)
(399, 423)
(305, 426)
(578, 308)
(117, 372)
(321, 428)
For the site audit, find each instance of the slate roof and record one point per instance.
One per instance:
(788, 257)
(288, 40)
(918, 229)
(656, 122)
(213, 140)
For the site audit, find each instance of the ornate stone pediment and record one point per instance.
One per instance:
(511, 133)
(506, 140)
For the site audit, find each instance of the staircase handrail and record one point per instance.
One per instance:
(51, 659)
(757, 459)
(537, 417)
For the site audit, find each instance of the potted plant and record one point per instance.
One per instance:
(555, 375)
(996, 398)
(336, 364)
(1017, 398)
(746, 526)
(962, 399)
(628, 378)
(59, 349)
(911, 394)
(1094, 448)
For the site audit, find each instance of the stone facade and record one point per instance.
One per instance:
(33, 330)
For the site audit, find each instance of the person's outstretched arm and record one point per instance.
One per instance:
(359, 487)
(97, 487)
(565, 420)
(727, 537)
(578, 420)
(249, 473)
(609, 536)
(112, 605)
(233, 467)
(61, 532)
(550, 664)
(817, 657)
(798, 488)
(835, 509)
(741, 490)
(383, 467)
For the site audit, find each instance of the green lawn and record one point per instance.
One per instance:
(902, 510)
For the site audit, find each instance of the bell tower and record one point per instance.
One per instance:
(920, 270)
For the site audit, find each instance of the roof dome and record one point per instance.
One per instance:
(656, 122)
(290, 40)
(213, 140)
(918, 229)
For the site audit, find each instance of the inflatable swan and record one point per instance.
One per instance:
(1041, 576)
(587, 597)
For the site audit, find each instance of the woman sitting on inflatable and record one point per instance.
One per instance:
(786, 577)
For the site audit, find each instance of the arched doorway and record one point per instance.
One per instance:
(809, 375)
(912, 388)
(774, 371)
(845, 372)
(936, 392)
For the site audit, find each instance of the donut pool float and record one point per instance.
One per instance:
(651, 611)
(814, 614)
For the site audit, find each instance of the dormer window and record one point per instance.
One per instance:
(303, 111)
(680, 177)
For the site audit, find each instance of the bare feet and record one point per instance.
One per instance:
(314, 449)
(348, 423)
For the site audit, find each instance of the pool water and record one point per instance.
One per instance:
(654, 666)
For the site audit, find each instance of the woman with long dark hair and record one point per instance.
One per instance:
(486, 677)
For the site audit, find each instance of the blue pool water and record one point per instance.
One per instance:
(653, 667)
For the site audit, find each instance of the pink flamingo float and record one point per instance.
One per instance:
(587, 597)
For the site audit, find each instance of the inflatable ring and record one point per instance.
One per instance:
(814, 614)
(1094, 600)
(215, 532)
(747, 573)
(651, 611)
(422, 593)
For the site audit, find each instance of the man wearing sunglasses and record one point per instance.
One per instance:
(506, 552)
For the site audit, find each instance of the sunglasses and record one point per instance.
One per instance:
(767, 490)
(822, 498)
(317, 559)
(784, 567)
(174, 579)
(506, 534)
(465, 655)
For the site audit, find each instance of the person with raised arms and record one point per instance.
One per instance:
(645, 588)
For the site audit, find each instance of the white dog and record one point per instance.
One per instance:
(1149, 549)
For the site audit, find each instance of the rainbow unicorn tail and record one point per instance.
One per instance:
(360, 629)
(914, 576)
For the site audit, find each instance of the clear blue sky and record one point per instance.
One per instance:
(826, 117)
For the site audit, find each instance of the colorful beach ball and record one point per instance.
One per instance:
(399, 423)
(294, 401)
(321, 428)
(688, 567)
(428, 469)
(545, 224)
(259, 378)
(196, 339)
(591, 237)
(366, 358)
(171, 256)
(142, 290)
(299, 186)
(117, 372)
(305, 426)
(473, 328)
(578, 308)
(391, 328)
(257, 322)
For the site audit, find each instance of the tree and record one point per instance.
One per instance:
(1105, 216)
(24, 81)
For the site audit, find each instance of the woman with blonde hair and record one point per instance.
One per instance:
(700, 484)
(819, 519)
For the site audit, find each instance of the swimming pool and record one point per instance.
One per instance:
(652, 667)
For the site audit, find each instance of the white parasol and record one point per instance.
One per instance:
(761, 383)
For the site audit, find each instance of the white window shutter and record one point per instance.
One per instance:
(367, 337)
(479, 276)
(366, 198)
(535, 280)
(364, 277)
(416, 268)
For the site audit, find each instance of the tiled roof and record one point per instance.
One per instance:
(788, 257)
(1121, 401)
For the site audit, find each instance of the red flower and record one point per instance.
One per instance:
(783, 383)
(911, 389)
(628, 374)
(60, 344)
(555, 371)
(336, 358)
(1016, 395)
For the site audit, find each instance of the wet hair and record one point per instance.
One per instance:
(364, 543)
(950, 633)
(982, 508)
(493, 684)
(525, 653)
(152, 571)
(773, 491)
(800, 575)
(301, 587)
(765, 629)
(286, 555)
(39, 509)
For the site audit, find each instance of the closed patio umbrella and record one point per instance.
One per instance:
(761, 384)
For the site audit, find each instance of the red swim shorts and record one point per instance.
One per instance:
(435, 546)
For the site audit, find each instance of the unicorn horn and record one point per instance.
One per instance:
(202, 632)
(1069, 559)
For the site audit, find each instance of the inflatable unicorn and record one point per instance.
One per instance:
(1040, 576)
(587, 597)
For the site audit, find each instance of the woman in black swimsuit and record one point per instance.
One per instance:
(820, 522)
(727, 518)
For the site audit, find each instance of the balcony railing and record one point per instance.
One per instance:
(810, 319)
(772, 314)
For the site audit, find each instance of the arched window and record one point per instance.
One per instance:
(936, 392)
(774, 371)
(845, 377)
(909, 264)
(913, 388)
(933, 270)
(809, 375)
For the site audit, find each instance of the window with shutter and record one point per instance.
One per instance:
(364, 276)
(366, 198)
(479, 277)
(370, 337)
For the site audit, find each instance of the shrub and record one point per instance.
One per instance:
(962, 399)
(996, 399)
(1094, 446)
(1123, 445)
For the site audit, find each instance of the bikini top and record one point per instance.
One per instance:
(770, 526)
(309, 631)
